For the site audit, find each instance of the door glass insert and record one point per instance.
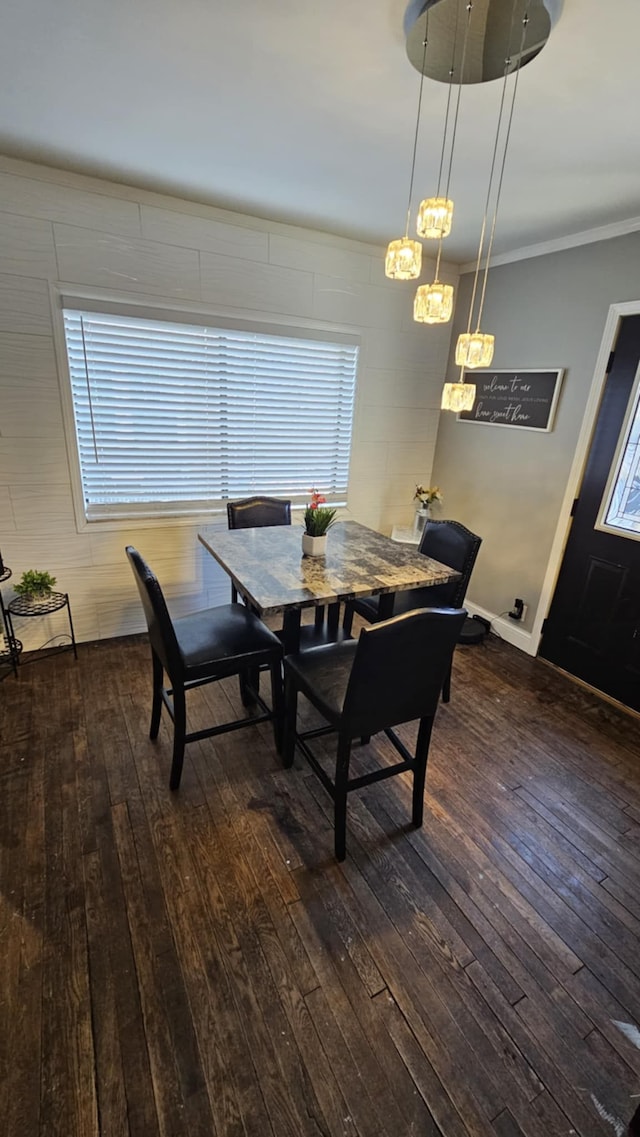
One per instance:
(620, 509)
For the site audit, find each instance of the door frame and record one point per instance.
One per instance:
(612, 326)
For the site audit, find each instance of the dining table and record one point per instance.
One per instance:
(267, 567)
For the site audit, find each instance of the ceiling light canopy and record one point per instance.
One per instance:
(490, 43)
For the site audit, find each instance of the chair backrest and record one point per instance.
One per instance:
(161, 633)
(255, 512)
(399, 669)
(456, 546)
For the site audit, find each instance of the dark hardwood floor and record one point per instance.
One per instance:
(199, 964)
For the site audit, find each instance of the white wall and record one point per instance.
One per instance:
(59, 227)
(508, 484)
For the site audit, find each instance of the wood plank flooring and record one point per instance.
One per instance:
(197, 963)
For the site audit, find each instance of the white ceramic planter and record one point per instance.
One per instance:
(314, 546)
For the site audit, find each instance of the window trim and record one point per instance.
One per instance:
(164, 308)
(601, 522)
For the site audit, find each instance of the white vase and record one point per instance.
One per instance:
(314, 546)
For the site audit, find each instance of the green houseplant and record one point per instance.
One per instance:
(318, 519)
(34, 584)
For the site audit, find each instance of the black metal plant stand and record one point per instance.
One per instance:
(10, 647)
(39, 606)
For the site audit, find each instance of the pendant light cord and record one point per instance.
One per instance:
(486, 210)
(525, 21)
(491, 174)
(415, 139)
(461, 81)
(455, 119)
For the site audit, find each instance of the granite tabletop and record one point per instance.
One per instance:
(267, 565)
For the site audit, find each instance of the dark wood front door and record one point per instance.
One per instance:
(593, 627)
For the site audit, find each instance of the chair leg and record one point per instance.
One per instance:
(179, 732)
(249, 684)
(290, 722)
(277, 703)
(156, 707)
(340, 798)
(446, 686)
(347, 619)
(420, 770)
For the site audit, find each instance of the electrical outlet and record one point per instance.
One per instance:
(525, 609)
(518, 609)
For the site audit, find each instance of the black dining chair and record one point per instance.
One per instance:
(391, 675)
(201, 648)
(254, 513)
(452, 544)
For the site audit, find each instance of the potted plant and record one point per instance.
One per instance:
(318, 518)
(426, 498)
(35, 585)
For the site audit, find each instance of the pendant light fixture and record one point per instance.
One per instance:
(490, 56)
(458, 396)
(404, 256)
(475, 349)
(433, 303)
(435, 214)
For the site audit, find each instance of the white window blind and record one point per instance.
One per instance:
(176, 416)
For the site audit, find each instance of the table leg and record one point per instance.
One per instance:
(291, 630)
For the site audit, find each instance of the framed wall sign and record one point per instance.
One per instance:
(524, 399)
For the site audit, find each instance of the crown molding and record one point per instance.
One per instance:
(560, 244)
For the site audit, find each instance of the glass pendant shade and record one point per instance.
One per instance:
(458, 396)
(433, 303)
(403, 260)
(434, 218)
(474, 349)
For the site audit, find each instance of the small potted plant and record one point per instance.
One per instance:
(35, 585)
(425, 497)
(318, 518)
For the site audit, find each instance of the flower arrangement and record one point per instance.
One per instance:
(317, 517)
(427, 496)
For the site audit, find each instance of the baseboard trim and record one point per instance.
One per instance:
(506, 629)
(592, 690)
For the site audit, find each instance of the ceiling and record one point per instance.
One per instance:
(305, 112)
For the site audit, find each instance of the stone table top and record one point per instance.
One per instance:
(268, 568)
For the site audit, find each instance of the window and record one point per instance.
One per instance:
(174, 417)
(621, 503)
